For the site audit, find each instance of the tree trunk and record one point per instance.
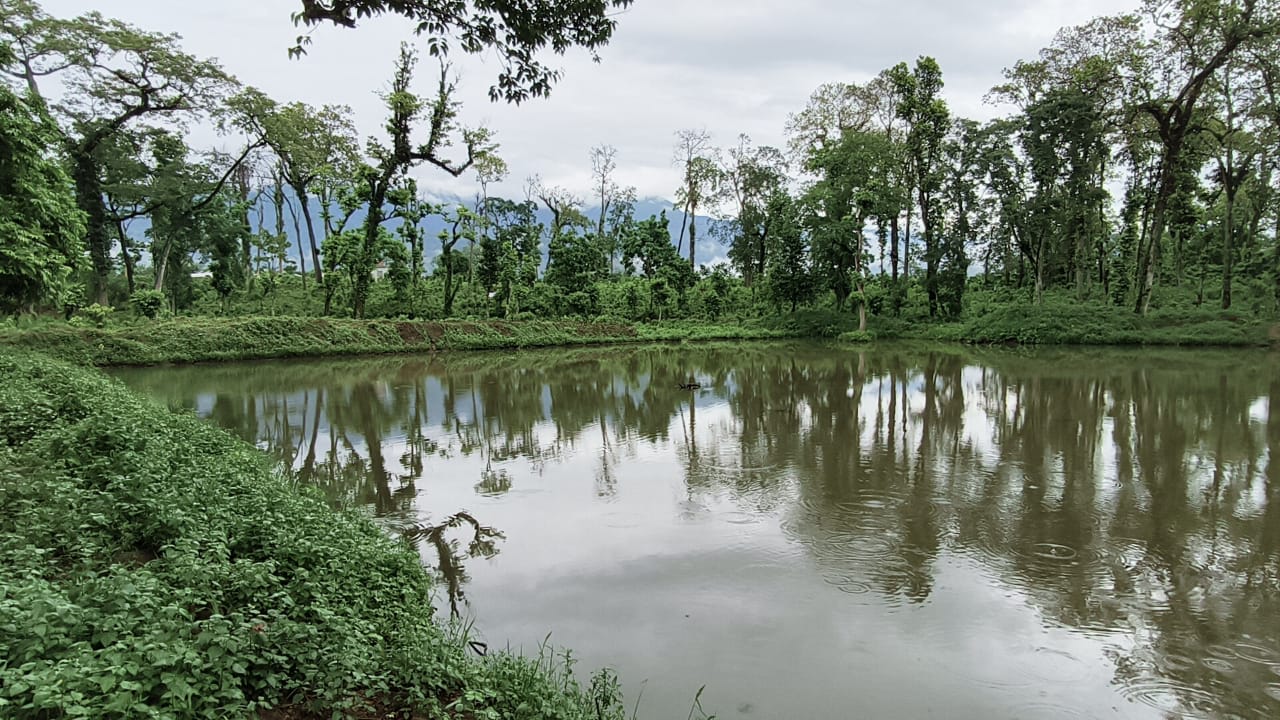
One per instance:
(305, 199)
(1149, 250)
(161, 263)
(302, 253)
(930, 253)
(1040, 251)
(446, 256)
(684, 219)
(861, 285)
(762, 260)
(893, 248)
(906, 247)
(372, 222)
(89, 199)
(277, 200)
(1228, 232)
(1082, 262)
(882, 234)
(125, 255)
(246, 243)
(693, 235)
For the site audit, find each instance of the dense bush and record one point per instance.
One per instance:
(147, 303)
(94, 315)
(154, 566)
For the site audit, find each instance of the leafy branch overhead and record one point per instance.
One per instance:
(516, 31)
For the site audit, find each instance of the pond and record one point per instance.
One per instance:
(816, 531)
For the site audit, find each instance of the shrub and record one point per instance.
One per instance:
(856, 336)
(95, 315)
(147, 303)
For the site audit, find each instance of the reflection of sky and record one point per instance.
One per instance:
(665, 557)
(684, 593)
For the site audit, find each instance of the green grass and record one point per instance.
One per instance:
(154, 566)
(1060, 321)
(211, 339)
(986, 320)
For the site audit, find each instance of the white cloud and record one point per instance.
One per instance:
(729, 66)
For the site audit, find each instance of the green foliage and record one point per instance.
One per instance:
(791, 278)
(40, 226)
(147, 303)
(514, 33)
(155, 566)
(1062, 320)
(95, 315)
(574, 261)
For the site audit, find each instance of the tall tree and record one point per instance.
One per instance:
(927, 120)
(116, 76)
(753, 175)
(377, 180)
(1195, 40)
(459, 225)
(851, 179)
(311, 143)
(509, 258)
(1234, 161)
(604, 163)
(699, 186)
(790, 268)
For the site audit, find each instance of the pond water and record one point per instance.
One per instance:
(904, 531)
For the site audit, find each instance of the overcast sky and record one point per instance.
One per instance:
(729, 66)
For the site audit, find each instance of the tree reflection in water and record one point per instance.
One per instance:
(1130, 495)
(450, 567)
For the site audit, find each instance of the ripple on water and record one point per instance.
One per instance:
(1221, 652)
(1048, 711)
(1054, 551)
(1259, 654)
(864, 549)
(1272, 691)
(1060, 558)
(1172, 662)
(939, 508)
(744, 469)
(847, 584)
(842, 537)
(1171, 697)
(740, 518)
(864, 502)
(1218, 665)
(1056, 667)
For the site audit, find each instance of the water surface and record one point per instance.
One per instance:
(818, 532)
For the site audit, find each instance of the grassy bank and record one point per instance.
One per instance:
(185, 340)
(154, 566)
(1060, 322)
(206, 339)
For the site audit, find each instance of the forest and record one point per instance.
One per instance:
(1133, 173)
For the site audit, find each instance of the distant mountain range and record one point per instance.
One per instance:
(709, 249)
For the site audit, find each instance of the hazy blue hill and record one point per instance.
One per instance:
(264, 214)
